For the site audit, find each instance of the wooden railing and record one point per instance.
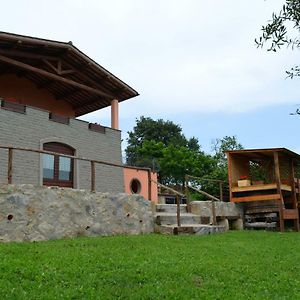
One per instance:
(93, 164)
(178, 199)
(213, 199)
(222, 185)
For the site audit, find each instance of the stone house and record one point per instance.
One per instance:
(44, 86)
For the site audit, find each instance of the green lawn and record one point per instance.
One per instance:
(235, 265)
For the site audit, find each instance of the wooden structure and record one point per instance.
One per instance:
(273, 183)
(73, 83)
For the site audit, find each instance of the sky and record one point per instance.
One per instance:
(193, 62)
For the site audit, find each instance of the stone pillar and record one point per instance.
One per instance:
(115, 114)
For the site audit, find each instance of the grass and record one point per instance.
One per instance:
(235, 265)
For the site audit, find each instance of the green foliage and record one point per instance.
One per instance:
(147, 129)
(234, 265)
(161, 145)
(258, 172)
(219, 169)
(220, 146)
(177, 162)
(283, 30)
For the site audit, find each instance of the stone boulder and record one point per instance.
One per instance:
(30, 213)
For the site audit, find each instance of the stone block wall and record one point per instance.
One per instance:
(29, 213)
(32, 129)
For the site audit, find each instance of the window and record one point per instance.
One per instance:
(58, 170)
(135, 186)
(48, 166)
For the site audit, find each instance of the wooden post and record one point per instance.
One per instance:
(9, 166)
(213, 211)
(149, 185)
(178, 210)
(221, 190)
(93, 174)
(294, 195)
(187, 193)
(229, 175)
(278, 183)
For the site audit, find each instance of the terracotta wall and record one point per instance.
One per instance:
(142, 176)
(26, 92)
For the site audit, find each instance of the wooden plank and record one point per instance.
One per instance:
(256, 198)
(229, 175)
(58, 118)
(261, 187)
(294, 196)
(9, 166)
(54, 76)
(221, 191)
(15, 107)
(97, 128)
(204, 193)
(178, 210)
(290, 214)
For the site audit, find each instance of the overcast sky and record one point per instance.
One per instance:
(193, 62)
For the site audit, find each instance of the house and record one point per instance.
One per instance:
(44, 86)
(267, 182)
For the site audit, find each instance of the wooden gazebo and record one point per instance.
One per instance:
(269, 178)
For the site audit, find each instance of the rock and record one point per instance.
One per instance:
(29, 213)
(223, 209)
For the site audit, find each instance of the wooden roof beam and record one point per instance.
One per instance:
(66, 94)
(92, 101)
(54, 76)
(22, 54)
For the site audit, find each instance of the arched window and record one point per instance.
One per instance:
(58, 170)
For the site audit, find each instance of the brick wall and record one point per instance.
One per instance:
(32, 129)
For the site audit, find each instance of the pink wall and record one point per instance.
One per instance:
(25, 92)
(142, 176)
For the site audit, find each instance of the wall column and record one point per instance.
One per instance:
(115, 114)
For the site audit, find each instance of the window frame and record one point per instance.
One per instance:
(62, 149)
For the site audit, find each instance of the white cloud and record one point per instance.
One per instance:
(182, 56)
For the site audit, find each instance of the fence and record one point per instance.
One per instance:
(10, 161)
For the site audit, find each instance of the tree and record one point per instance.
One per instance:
(162, 146)
(220, 146)
(278, 32)
(160, 131)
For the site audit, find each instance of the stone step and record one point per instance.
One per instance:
(196, 229)
(171, 208)
(165, 218)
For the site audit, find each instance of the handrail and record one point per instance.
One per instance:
(213, 199)
(221, 183)
(178, 195)
(71, 156)
(92, 162)
(204, 193)
(206, 179)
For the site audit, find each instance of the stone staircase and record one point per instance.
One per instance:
(165, 219)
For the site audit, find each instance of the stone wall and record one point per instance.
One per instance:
(32, 129)
(29, 213)
(223, 209)
(228, 214)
